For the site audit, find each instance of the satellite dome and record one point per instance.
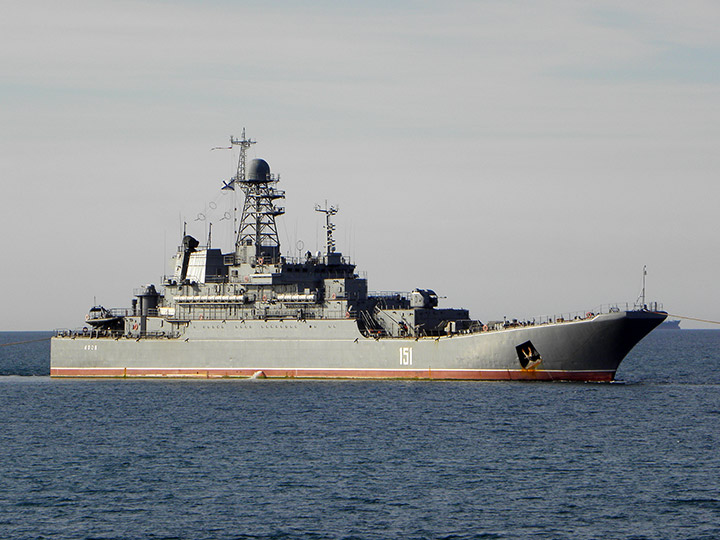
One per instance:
(258, 171)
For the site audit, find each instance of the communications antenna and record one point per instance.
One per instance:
(244, 143)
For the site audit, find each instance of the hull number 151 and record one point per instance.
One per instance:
(406, 356)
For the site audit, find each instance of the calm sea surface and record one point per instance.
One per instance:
(125, 459)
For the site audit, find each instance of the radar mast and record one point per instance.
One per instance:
(257, 237)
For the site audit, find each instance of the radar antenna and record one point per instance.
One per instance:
(329, 227)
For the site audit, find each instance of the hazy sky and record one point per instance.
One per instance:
(520, 158)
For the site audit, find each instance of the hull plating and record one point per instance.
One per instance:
(588, 350)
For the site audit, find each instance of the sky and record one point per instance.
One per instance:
(520, 158)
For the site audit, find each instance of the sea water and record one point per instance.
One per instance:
(261, 459)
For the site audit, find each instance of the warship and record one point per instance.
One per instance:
(252, 312)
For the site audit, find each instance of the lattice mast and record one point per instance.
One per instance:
(244, 143)
(329, 226)
(257, 239)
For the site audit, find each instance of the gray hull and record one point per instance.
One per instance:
(588, 350)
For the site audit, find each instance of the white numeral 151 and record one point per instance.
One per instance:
(406, 356)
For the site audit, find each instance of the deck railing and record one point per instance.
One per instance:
(613, 307)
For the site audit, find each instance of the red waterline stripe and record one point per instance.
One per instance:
(469, 374)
